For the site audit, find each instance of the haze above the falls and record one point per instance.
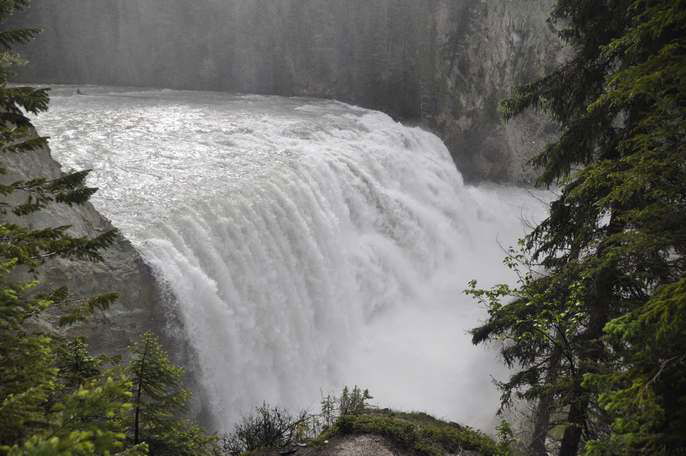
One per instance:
(309, 243)
(443, 63)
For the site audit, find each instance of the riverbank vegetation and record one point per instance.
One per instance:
(272, 430)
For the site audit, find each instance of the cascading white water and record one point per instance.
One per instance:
(310, 244)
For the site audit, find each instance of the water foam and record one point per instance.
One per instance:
(309, 244)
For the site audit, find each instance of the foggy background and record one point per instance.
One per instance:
(442, 63)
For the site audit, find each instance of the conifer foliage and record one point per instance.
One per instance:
(158, 400)
(597, 327)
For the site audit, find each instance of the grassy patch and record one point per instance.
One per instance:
(419, 432)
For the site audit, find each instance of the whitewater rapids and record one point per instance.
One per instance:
(309, 244)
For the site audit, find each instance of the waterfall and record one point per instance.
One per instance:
(309, 244)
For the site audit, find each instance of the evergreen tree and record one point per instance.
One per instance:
(158, 400)
(328, 410)
(606, 317)
(353, 402)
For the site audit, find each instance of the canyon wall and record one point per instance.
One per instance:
(444, 64)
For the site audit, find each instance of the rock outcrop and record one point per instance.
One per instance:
(442, 63)
(355, 445)
(368, 445)
(389, 433)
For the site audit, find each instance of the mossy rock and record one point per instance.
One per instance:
(420, 433)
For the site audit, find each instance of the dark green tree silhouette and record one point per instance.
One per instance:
(159, 399)
(601, 298)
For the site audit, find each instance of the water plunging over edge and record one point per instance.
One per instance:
(309, 243)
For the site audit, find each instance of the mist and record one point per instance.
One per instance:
(359, 51)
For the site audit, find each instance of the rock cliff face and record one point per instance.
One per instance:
(493, 46)
(142, 305)
(442, 63)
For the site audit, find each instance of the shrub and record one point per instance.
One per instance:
(268, 427)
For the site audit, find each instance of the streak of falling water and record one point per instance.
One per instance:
(309, 244)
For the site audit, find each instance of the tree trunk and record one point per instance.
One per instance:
(544, 408)
(578, 408)
(600, 301)
(576, 419)
(139, 394)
